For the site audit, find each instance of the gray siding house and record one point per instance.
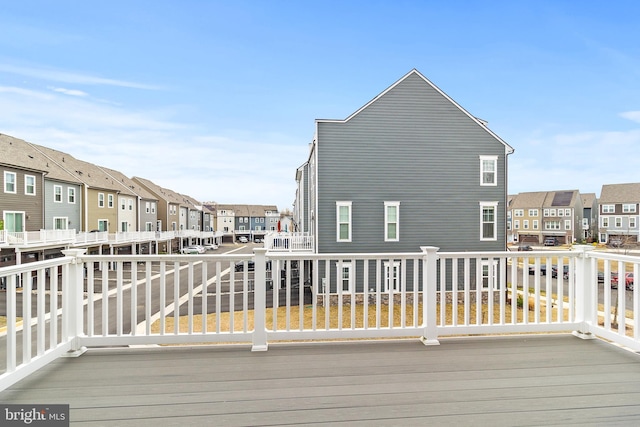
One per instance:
(410, 168)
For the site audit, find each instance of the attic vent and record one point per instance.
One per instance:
(79, 173)
(30, 156)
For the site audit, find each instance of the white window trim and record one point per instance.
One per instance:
(101, 200)
(26, 186)
(340, 286)
(63, 219)
(608, 208)
(110, 200)
(493, 205)
(15, 182)
(55, 193)
(490, 276)
(493, 159)
(389, 267)
(387, 223)
(604, 221)
(349, 222)
(71, 191)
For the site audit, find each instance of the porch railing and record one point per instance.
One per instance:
(60, 306)
(289, 242)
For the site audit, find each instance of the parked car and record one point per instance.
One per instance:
(210, 246)
(243, 239)
(524, 248)
(628, 281)
(615, 242)
(550, 241)
(257, 240)
(565, 271)
(543, 269)
(193, 249)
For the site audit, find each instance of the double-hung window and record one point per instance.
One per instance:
(101, 200)
(343, 221)
(57, 194)
(10, 179)
(110, 200)
(71, 195)
(30, 185)
(488, 224)
(488, 168)
(391, 221)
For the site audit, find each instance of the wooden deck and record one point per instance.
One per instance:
(523, 380)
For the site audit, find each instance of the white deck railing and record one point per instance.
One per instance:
(289, 242)
(131, 299)
(34, 239)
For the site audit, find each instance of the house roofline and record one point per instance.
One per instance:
(481, 123)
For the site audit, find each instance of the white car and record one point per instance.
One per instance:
(243, 239)
(193, 249)
(210, 246)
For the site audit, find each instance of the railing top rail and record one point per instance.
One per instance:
(614, 256)
(275, 254)
(508, 254)
(31, 266)
(166, 257)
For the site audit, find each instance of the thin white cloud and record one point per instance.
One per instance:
(50, 74)
(631, 115)
(24, 92)
(228, 167)
(71, 92)
(583, 161)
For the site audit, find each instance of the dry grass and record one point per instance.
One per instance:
(361, 314)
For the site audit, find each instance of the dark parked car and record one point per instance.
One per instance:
(550, 241)
(524, 248)
(543, 269)
(565, 271)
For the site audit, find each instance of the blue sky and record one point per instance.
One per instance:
(217, 99)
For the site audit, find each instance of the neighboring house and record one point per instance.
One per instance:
(139, 212)
(168, 204)
(208, 222)
(562, 216)
(511, 235)
(410, 168)
(100, 210)
(589, 217)
(194, 212)
(618, 212)
(526, 211)
(538, 215)
(304, 203)
(225, 220)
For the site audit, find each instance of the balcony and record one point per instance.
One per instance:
(440, 314)
(289, 242)
(48, 238)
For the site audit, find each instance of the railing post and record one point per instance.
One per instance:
(429, 293)
(586, 292)
(72, 302)
(259, 300)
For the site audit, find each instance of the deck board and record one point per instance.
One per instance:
(517, 380)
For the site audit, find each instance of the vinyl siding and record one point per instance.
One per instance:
(413, 146)
(71, 211)
(31, 205)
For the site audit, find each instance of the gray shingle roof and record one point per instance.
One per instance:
(88, 173)
(620, 193)
(21, 154)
